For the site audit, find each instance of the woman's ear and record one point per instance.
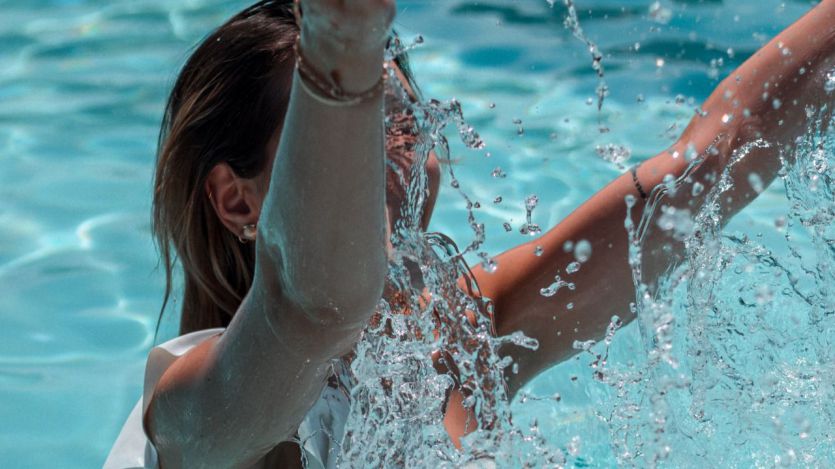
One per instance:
(236, 201)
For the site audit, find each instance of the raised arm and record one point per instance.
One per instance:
(765, 98)
(320, 265)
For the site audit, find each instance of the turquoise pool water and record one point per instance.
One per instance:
(81, 92)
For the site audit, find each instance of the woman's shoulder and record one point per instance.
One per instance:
(161, 357)
(132, 449)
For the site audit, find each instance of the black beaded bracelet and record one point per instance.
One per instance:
(634, 171)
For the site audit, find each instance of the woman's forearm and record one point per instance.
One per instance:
(323, 222)
(766, 98)
(773, 97)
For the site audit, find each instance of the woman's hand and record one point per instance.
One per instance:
(345, 39)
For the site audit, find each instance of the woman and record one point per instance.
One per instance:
(273, 192)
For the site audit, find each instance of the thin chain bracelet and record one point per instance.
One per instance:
(329, 93)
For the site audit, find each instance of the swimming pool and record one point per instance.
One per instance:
(81, 93)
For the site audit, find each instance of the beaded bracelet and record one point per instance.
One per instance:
(634, 171)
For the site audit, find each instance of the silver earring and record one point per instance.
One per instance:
(250, 232)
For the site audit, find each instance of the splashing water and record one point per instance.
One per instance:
(735, 363)
(738, 339)
(572, 23)
(615, 154)
(396, 416)
(530, 228)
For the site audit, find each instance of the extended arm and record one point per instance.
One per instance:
(765, 98)
(320, 263)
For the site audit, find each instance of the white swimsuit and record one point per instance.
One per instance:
(320, 431)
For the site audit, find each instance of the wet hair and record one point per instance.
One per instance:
(225, 107)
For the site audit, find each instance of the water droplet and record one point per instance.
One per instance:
(659, 62)
(498, 200)
(569, 306)
(697, 190)
(829, 81)
(690, 153)
(677, 220)
(756, 182)
(584, 345)
(498, 173)
(617, 154)
(726, 118)
(537, 251)
(582, 251)
(573, 268)
(780, 222)
(530, 228)
(659, 13)
(531, 202)
(776, 103)
(489, 265)
(558, 284)
(507, 227)
(568, 246)
(819, 162)
(492, 105)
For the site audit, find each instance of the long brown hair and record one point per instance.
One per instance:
(229, 99)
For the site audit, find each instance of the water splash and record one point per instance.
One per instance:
(555, 287)
(433, 309)
(530, 228)
(738, 339)
(615, 154)
(572, 23)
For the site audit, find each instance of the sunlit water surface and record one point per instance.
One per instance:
(732, 369)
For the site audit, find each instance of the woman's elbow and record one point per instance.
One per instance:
(343, 287)
(339, 296)
(343, 305)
